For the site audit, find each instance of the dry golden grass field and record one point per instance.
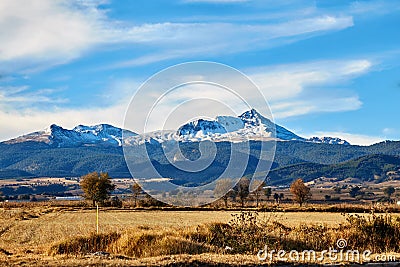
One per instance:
(35, 236)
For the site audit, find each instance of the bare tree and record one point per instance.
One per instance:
(300, 191)
(268, 192)
(222, 188)
(233, 194)
(276, 197)
(136, 191)
(281, 196)
(259, 191)
(243, 190)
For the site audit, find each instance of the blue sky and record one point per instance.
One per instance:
(326, 67)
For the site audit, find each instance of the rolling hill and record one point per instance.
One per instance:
(367, 168)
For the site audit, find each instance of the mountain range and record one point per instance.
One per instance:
(59, 152)
(251, 125)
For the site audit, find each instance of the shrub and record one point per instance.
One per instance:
(243, 234)
(137, 242)
(378, 233)
(83, 245)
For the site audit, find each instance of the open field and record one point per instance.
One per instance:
(28, 232)
(27, 235)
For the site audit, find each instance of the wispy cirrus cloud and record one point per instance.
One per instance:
(208, 39)
(374, 7)
(36, 35)
(40, 35)
(311, 87)
(17, 97)
(318, 104)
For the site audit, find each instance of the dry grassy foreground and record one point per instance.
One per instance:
(27, 235)
(35, 229)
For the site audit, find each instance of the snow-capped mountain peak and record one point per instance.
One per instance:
(249, 125)
(252, 118)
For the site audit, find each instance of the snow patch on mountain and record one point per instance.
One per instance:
(328, 140)
(102, 134)
(230, 123)
(201, 127)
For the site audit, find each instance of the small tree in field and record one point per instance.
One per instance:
(389, 191)
(355, 191)
(276, 197)
(243, 190)
(259, 191)
(222, 188)
(96, 187)
(281, 196)
(300, 191)
(268, 192)
(136, 191)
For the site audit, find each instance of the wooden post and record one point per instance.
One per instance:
(97, 218)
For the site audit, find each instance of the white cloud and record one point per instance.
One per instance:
(16, 97)
(209, 40)
(46, 31)
(293, 77)
(319, 104)
(310, 87)
(354, 139)
(266, 16)
(154, 57)
(374, 7)
(35, 35)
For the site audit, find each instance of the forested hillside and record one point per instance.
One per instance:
(292, 159)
